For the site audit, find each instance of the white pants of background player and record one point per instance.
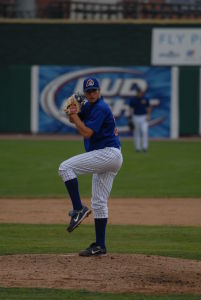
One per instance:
(104, 164)
(141, 132)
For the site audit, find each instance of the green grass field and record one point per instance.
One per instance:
(169, 169)
(53, 294)
(172, 241)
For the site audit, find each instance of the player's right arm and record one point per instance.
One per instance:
(85, 131)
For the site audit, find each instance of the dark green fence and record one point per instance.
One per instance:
(189, 98)
(78, 44)
(75, 44)
(109, 44)
(15, 99)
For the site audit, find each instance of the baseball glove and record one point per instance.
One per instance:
(74, 103)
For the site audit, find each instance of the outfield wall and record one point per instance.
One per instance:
(87, 45)
(15, 98)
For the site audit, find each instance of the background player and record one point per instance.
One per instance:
(103, 159)
(141, 115)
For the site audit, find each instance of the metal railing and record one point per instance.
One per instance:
(104, 10)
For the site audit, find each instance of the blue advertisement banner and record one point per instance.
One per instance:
(57, 83)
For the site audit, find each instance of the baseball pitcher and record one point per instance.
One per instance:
(94, 121)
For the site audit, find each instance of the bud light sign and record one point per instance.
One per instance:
(117, 84)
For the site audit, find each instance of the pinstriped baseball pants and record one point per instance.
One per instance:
(104, 164)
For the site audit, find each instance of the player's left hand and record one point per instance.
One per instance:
(71, 106)
(131, 124)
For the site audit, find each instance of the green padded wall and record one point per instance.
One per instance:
(189, 93)
(75, 44)
(15, 99)
(99, 44)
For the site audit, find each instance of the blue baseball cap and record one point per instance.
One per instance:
(90, 83)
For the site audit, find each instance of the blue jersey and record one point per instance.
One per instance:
(99, 118)
(140, 105)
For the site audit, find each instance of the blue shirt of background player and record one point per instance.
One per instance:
(99, 118)
(140, 105)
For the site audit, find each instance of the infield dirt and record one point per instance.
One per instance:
(185, 212)
(114, 273)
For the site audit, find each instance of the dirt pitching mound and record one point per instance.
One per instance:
(113, 273)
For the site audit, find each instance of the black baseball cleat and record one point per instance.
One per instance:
(77, 216)
(93, 250)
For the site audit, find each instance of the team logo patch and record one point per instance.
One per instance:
(90, 82)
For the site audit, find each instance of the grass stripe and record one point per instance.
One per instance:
(172, 241)
(169, 169)
(54, 294)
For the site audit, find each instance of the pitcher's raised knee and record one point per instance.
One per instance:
(66, 171)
